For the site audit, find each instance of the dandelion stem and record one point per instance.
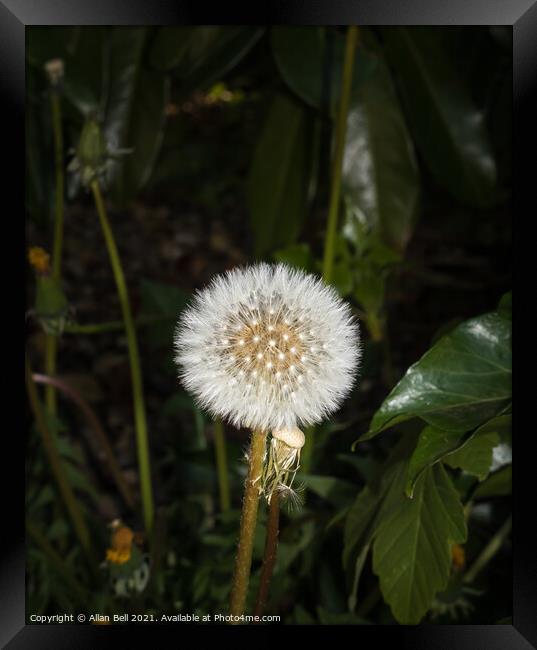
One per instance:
(221, 465)
(57, 468)
(341, 129)
(51, 341)
(271, 549)
(243, 560)
(136, 374)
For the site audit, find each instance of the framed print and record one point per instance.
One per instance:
(268, 321)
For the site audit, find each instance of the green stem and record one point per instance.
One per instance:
(51, 342)
(243, 560)
(341, 129)
(51, 349)
(136, 374)
(56, 466)
(221, 465)
(57, 562)
(489, 551)
(114, 325)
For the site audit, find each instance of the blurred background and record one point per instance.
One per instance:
(230, 133)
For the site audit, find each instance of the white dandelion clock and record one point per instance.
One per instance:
(268, 347)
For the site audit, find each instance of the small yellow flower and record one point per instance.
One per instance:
(39, 259)
(458, 556)
(122, 539)
(118, 557)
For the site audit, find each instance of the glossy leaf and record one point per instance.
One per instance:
(279, 176)
(310, 61)
(123, 52)
(412, 548)
(86, 73)
(448, 126)
(380, 182)
(473, 453)
(475, 456)
(433, 445)
(202, 55)
(498, 484)
(462, 381)
(145, 133)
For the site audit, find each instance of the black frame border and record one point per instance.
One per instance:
(15, 16)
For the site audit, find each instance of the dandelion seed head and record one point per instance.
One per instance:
(272, 315)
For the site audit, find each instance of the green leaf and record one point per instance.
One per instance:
(201, 55)
(462, 381)
(335, 490)
(498, 484)
(298, 255)
(472, 453)
(433, 445)
(342, 278)
(279, 176)
(506, 304)
(145, 133)
(475, 456)
(380, 181)
(170, 46)
(412, 548)
(310, 61)
(378, 498)
(123, 51)
(448, 126)
(164, 300)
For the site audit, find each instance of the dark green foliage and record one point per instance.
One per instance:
(227, 136)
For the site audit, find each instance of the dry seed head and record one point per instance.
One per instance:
(268, 347)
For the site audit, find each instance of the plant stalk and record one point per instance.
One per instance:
(271, 550)
(489, 551)
(243, 560)
(57, 469)
(98, 430)
(114, 325)
(221, 465)
(341, 130)
(51, 342)
(134, 358)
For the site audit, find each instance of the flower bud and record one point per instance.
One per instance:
(55, 70)
(293, 438)
(92, 152)
(51, 306)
